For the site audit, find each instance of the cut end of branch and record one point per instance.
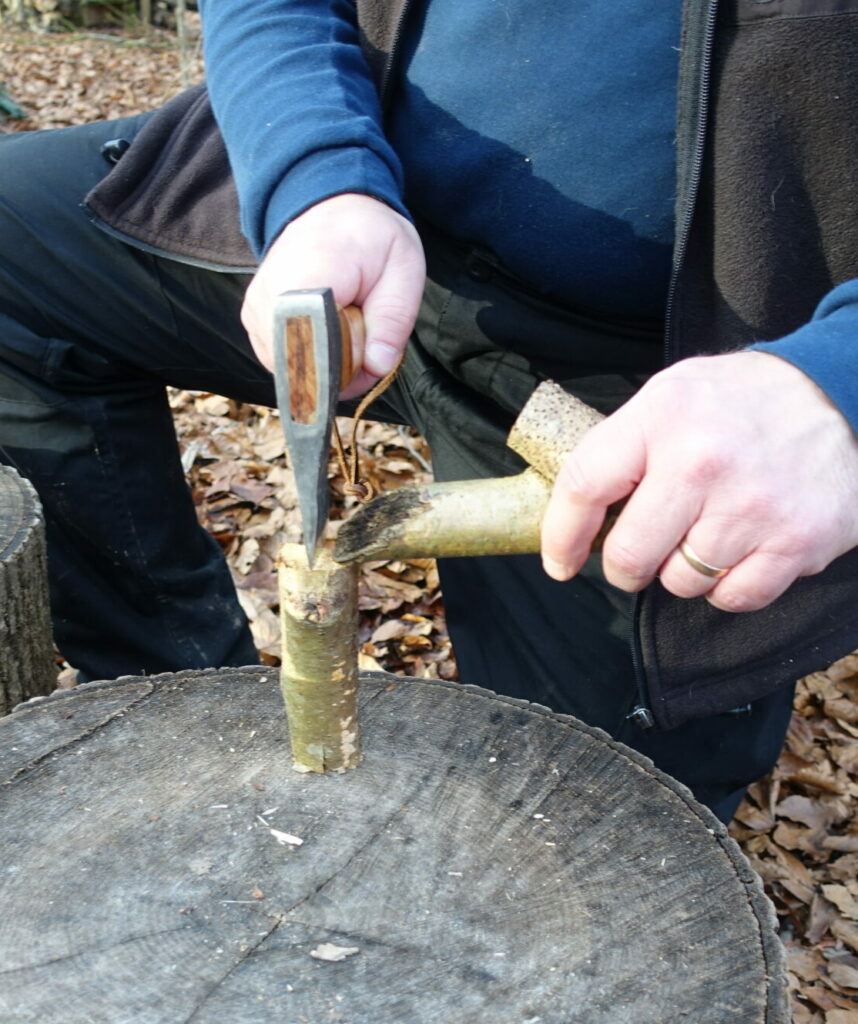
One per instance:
(549, 426)
(373, 529)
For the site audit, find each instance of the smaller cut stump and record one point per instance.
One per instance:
(27, 667)
(488, 862)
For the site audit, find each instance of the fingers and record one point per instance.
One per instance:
(706, 456)
(649, 540)
(588, 482)
(750, 584)
(648, 530)
(389, 312)
(754, 583)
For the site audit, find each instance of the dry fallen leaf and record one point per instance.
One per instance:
(846, 932)
(816, 815)
(805, 963)
(392, 629)
(844, 975)
(843, 899)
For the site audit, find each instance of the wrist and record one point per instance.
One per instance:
(321, 177)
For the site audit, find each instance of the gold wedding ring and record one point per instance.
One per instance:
(690, 556)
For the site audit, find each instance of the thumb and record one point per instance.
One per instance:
(605, 466)
(390, 308)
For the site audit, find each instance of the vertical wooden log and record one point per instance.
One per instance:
(319, 674)
(27, 667)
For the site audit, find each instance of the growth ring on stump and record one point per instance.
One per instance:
(488, 862)
(27, 667)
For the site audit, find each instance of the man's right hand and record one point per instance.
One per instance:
(369, 256)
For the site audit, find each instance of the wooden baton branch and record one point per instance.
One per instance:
(478, 517)
(27, 667)
(319, 673)
(466, 517)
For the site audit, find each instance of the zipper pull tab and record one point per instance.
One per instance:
(642, 717)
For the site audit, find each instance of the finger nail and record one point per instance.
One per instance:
(557, 570)
(381, 358)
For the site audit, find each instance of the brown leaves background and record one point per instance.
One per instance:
(234, 456)
(799, 827)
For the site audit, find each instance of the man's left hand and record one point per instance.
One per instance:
(740, 457)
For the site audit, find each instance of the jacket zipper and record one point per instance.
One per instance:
(384, 90)
(684, 227)
(641, 714)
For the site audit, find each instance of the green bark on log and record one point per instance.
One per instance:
(450, 520)
(318, 677)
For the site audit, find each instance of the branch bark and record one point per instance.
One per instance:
(466, 517)
(319, 673)
(549, 426)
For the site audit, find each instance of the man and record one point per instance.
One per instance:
(525, 156)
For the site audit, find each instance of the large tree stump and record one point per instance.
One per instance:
(27, 667)
(488, 862)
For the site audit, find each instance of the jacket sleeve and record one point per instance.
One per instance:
(826, 348)
(297, 108)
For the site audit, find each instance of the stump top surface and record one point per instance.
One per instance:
(488, 861)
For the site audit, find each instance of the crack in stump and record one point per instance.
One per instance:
(91, 952)
(373, 837)
(37, 761)
(244, 956)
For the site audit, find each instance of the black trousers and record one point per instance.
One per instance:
(93, 329)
